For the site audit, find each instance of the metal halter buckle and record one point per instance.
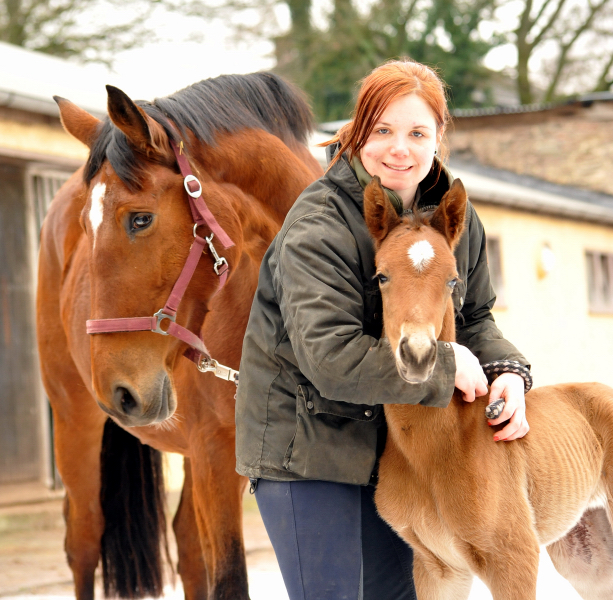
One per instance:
(161, 315)
(189, 179)
(211, 365)
(218, 260)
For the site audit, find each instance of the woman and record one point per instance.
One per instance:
(314, 371)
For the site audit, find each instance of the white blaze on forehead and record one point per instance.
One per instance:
(97, 207)
(421, 253)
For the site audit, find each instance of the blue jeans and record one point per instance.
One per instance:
(331, 544)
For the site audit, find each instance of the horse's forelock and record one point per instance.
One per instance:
(112, 145)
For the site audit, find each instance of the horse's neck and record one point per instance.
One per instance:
(262, 166)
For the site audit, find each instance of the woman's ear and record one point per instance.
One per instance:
(380, 216)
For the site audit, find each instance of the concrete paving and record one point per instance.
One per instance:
(33, 565)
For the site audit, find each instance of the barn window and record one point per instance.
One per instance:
(494, 261)
(43, 183)
(600, 281)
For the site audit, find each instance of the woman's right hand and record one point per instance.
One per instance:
(469, 376)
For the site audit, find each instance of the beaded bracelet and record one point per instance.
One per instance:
(498, 367)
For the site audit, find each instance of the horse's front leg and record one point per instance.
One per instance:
(192, 568)
(435, 580)
(510, 567)
(218, 492)
(78, 439)
(584, 556)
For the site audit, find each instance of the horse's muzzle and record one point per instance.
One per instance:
(134, 409)
(416, 357)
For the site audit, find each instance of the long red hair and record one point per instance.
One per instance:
(383, 85)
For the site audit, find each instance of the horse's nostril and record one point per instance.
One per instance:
(126, 400)
(405, 351)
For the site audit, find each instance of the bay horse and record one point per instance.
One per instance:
(467, 505)
(113, 247)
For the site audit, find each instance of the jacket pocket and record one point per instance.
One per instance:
(334, 441)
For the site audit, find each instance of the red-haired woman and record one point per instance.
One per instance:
(315, 370)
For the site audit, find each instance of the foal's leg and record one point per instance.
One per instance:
(218, 494)
(435, 580)
(78, 439)
(585, 556)
(511, 570)
(192, 568)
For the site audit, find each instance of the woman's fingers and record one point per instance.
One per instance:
(510, 387)
(469, 378)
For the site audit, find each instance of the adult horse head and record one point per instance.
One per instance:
(417, 273)
(140, 228)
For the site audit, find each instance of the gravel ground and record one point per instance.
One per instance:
(33, 566)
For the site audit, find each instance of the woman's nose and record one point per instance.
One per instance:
(399, 148)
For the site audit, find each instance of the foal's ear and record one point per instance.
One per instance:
(78, 122)
(448, 219)
(380, 216)
(143, 133)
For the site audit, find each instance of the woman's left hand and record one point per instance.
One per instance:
(510, 387)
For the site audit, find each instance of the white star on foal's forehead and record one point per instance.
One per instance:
(421, 253)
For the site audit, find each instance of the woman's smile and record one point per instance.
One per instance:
(396, 168)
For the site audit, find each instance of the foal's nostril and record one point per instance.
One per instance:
(127, 402)
(405, 351)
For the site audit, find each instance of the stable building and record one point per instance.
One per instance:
(36, 157)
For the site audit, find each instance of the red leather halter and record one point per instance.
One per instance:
(202, 216)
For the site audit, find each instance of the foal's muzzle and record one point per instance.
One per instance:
(416, 356)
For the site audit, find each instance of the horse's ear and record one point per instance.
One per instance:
(380, 216)
(143, 133)
(448, 219)
(78, 122)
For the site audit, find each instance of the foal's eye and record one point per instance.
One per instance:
(451, 284)
(139, 221)
(382, 278)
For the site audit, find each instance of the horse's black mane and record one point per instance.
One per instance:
(224, 104)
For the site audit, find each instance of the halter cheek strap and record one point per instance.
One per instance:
(202, 217)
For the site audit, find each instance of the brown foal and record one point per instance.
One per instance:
(469, 506)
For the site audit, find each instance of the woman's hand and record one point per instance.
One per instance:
(510, 387)
(469, 376)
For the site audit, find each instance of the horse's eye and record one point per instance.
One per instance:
(382, 278)
(452, 283)
(140, 221)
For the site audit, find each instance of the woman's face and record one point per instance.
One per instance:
(401, 147)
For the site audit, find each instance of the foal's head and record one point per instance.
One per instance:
(417, 273)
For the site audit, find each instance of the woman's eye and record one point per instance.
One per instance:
(140, 221)
(418, 134)
(383, 130)
(382, 278)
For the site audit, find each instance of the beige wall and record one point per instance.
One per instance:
(40, 138)
(548, 318)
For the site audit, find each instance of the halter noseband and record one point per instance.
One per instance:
(202, 216)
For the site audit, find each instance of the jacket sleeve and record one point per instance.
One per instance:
(476, 327)
(320, 293)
